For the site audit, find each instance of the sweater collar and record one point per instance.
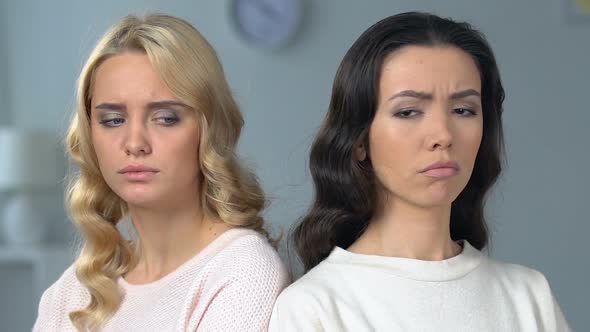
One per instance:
(445, 270)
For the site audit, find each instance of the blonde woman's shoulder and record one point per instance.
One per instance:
(251, 252)
(64, 296)
(243, 280)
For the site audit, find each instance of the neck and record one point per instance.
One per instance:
(400, 229)
(168, 238)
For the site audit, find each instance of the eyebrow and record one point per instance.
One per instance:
(110, 107)
(150, 106)
(167, 103)
(428, 96)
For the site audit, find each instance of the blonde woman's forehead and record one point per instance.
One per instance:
(129, 77)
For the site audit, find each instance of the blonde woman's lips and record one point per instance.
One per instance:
(138, 172)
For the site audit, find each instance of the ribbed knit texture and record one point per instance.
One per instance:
(469, 292)
(231, 285)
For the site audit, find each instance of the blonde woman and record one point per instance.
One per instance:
(154, 137)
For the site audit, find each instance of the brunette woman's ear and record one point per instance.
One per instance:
(360, 153)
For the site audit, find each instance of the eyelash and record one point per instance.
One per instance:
(110, 123)
(466, 112)
(403, 114)
(163, 120)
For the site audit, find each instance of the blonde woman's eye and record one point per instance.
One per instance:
(166, 118)
(113, 122)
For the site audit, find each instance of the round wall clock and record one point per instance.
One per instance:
(267, 23)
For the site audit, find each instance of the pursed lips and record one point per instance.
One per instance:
(441, 169)
(138, 172)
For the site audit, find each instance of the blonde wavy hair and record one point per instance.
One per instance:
(189, 67)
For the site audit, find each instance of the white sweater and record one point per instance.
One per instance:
(231, 285)
(469, 292)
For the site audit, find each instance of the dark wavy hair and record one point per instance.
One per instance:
(345, 191)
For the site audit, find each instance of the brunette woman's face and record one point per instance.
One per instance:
(146, 140)
(428, 126)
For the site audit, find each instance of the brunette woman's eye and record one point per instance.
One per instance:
(466, 112)
(404, 114)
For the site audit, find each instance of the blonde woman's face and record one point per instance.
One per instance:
(146, 140)
(428, 126)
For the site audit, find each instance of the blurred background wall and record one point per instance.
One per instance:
(537, 213)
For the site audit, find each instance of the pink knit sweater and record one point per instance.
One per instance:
(231, 285)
